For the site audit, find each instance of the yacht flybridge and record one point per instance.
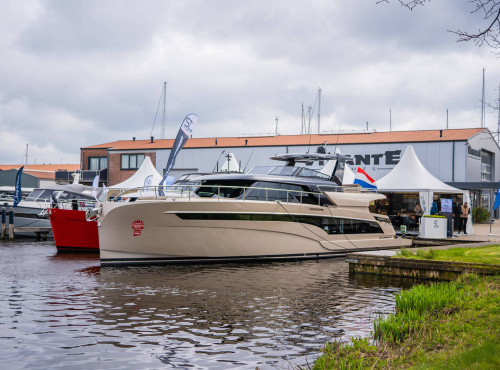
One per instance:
(242, 217)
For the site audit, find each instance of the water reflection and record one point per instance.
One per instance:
(64, 310)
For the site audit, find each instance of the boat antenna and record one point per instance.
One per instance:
(248, 160)
(312, 109)
(217, 163)
(319, 107)
(338, 135)
(158, 108)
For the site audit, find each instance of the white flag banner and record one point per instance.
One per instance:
(182, 137)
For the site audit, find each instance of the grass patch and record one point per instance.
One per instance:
(453, 325)
(489, 254)
(482, 356)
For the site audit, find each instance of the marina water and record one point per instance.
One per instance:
(64, 311)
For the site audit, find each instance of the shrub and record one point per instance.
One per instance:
(480, 214)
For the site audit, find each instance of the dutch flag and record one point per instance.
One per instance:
(364, 180)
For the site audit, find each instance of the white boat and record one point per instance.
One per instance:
(32, 210)
(7, 195)
(242, 217)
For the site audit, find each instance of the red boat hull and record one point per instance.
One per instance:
(72, 232)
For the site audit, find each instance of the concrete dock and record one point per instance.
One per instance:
(385, 263)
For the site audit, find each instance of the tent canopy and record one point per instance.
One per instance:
(146, 175)
(410, 176)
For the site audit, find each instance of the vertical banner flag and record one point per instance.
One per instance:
(182, 137)
(95, 185)
(364, 180)
(497, 198)
(18, 195)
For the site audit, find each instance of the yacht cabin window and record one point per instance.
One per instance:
(272, 191)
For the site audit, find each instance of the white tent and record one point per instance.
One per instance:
(146, 175)
(231, 165)
(410, 176)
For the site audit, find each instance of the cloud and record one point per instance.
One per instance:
(87, 72)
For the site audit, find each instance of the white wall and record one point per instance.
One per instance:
(436, 157)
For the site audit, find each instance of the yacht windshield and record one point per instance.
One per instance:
(306, 172)
(262, 170)
(284, 171)
(38, 195)
(288, 171)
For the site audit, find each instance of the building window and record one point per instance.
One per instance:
(486, 165)
(131, 161)
(98, 163)
(485, 199)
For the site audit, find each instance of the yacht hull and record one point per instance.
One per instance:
(72, 232)
(204, 231)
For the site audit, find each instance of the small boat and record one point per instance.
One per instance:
(72, 232)
(245, 217)
(32, 211)
(7, 195)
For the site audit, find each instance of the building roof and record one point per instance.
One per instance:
(42, 171)
(296, 140)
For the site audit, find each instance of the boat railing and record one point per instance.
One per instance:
(221, 192)
(348, 189)
(76, 204)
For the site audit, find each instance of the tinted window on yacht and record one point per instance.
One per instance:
(328, 224)
(38, 194)
(350, 226)
(272, 191)
(284, 171)
(306, 172)
(219, 191)
(68, 196)
(261, 170)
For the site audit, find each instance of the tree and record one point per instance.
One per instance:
(489, 34)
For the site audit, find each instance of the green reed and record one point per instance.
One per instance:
(414, 306)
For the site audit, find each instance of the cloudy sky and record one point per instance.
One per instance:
(80, 73)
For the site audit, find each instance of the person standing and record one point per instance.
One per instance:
(418, 212)
(434, 208)
(456, 214)
(464, 215)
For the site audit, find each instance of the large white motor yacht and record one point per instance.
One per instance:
(242, 217)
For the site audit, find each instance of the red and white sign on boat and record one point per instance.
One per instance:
(137, 225)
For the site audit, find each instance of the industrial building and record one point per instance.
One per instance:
(463, 158)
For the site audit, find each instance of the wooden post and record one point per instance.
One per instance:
(11, 223)
(2, 236)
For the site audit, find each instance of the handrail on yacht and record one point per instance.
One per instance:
(350, 189)
(171, 188)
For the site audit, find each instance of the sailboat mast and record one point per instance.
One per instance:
(482, 105)
(319, 106)
(303, 123)
(163, 118)
(498, 107)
